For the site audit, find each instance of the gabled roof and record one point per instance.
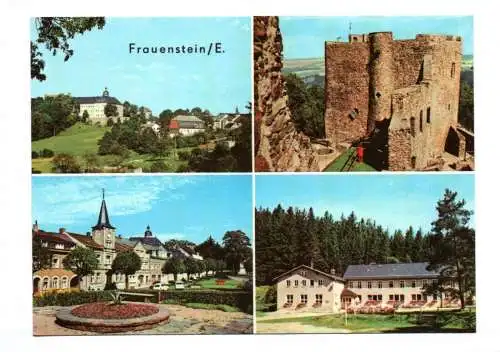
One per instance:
(52, 237)
(347, 293)
(54, 272)
(152, 241)
(96, 100)
(399, 270)
(121, 247)
(333, 277)
(86, 240)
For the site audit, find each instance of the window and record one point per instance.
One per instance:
(64, 282)
(421, 124)
(45, 283)
(391, 297)
(424, 283)
(351, 284)
(412, 126)
(55, 282)
(312, 283)
(302, 273)
(380, 284)
(401, 284)
(55, 261)
(391, 284)
(359, 284)
(413, 162)
(304, 282)
(288, 283)
(108, 259)
(303, 299)
(296, 283)
(369, 284)
(98, 277)
(413, 284)
(319, 299)
(452, 73)
(428, 115)
(59, 246)
(289, 299)
(379, 297)
(320, 283)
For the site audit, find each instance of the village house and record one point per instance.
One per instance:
(375, 285)
(229, 120)
(106, 245)
(186, 125)
(94, 106)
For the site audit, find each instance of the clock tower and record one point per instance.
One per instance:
(103, 232)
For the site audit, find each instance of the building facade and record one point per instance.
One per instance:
(106, 245)
(95, 106)
(398, 97)
(308, 289)
(186, 125)
(399, 285)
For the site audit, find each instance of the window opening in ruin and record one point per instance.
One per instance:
(412, 126)
(421, 126)
(428, 115)
(353, 114)
(449, 107)
(452, 70)
(413, 162)
(378, 95)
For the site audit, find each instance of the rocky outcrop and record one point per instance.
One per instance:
(279, 146)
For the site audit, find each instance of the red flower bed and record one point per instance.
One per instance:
(104, 310)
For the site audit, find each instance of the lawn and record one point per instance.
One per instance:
(367, 323)
(338, 164)
(76, 140)
(210, 283)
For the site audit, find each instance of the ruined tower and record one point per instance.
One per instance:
(400, 97)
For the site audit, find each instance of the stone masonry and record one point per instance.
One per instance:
(398, 96)
(279, 146)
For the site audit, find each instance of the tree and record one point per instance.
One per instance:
(466, 106)
(174, 266)
(210, 265)
(54, 34)
(453, 247)
(110, 110)
(237, 247)
(41, 255)
(82, 261)
(65, 163)
(126, 263)
(85, 116)
(210, 249)
(91, 161)
(191, 266)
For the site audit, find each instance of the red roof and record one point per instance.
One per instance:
(120, 247)
(86, 240)
(174, 125)
(52, 237)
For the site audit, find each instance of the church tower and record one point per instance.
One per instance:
(103, 232)
(148, 232)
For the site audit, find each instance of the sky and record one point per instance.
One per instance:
(217, 82)
(176, 207)
(394, 201)
(304, 37)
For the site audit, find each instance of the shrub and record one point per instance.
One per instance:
(183, 155)
(34, 154)
(71, 298)
(271, 295)
(65, 163)
(241, 299)
(46, 153)
(159, 166)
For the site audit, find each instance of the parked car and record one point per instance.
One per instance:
(179, 285)
(160, 287)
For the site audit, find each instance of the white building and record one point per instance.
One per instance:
(186, 125)
(95, 106)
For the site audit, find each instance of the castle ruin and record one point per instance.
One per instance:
(399, 98)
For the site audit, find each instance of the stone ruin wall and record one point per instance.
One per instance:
(279, 147)
(346, 89)
(419, 78)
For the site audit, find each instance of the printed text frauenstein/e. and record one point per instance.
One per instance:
(210, 48)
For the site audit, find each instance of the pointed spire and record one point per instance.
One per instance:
(103, 219)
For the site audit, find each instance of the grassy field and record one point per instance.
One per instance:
(210, 283)
(398, 323)
(81, 139)
(339, 163)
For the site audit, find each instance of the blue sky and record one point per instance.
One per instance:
(304, 37)
(393, 201)
(180, 207)
(101, 59)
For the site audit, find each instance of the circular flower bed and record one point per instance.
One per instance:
(103, 310)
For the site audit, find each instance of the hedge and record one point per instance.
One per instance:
(71, 298)
(243, 300)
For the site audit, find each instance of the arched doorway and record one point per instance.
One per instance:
(74, 282)
(452, 142)
(36, 284)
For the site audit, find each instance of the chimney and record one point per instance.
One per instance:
(35, 227)
(332, 271)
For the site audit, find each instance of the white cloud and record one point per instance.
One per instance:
(66, 201)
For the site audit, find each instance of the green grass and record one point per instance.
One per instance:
(338, 163)
(210, 283)
(456, 322)
(76, 140)
(43, 165)
(223, 307)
